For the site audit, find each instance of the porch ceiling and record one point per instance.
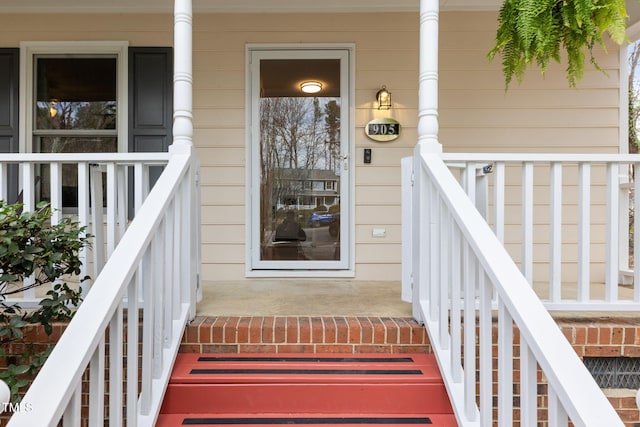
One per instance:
(132, 6)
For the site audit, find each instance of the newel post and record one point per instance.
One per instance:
(418, 216)
(183, 75)
(183, 144)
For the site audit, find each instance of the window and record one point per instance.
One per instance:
(74, 101)
(75, 111)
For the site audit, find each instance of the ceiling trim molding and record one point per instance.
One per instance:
(238, 6)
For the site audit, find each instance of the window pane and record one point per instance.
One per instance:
(77, 144)
(300, 161)
(75, 93)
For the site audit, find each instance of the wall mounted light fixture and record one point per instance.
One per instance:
(311, 86)
(383, 96)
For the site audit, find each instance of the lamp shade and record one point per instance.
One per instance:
(383, 97)
(311, 86)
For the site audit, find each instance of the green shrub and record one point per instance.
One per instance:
(34, 252)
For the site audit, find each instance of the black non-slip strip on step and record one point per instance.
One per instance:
(335, 421)
(307, 359)
(308, 371)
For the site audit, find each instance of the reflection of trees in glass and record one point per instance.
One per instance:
(332, 126)
(293, 136)
(76, 115)
(297, 135)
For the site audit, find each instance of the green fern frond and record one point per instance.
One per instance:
(536, 31)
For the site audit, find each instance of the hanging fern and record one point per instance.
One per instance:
(535, 31)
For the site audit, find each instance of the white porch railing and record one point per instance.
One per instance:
(462, 278)
(125, 177)
(157, 263)
(565, 220)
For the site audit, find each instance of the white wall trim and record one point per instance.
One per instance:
(27, 52)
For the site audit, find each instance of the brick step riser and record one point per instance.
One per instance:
(300, 334)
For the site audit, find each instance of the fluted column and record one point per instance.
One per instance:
(428, 77)
(183, 74)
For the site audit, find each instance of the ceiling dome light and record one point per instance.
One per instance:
(311, 87)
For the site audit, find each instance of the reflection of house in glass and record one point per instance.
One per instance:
(305, 189)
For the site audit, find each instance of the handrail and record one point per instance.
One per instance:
(144, 261)
(540, 157)
(155, 158)
(461, 270)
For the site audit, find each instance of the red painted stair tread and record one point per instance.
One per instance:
(197, 368)
(307, 390)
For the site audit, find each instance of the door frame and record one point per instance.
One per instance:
(345, 267)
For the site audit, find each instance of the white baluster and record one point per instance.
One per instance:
(613, 205)
(96, 386)
(29, 205)
(456, 302)
(83, 221)
(555, 253)
(56, 192)
(486, 349)
(112, 209)
(498, 200)
(115, 368)
(505, 367)
(132, 351)
(469, 266)
(97, 219)
(557, 414)
(528, 386)
(584, 232)
(527, 221)
(73, 413)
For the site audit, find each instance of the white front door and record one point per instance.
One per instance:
(300, 121)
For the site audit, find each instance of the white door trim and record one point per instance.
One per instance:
(346, 266)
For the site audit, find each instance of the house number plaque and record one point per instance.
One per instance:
(383, 130)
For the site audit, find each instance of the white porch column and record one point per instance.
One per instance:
(182, 74)
(428, 79)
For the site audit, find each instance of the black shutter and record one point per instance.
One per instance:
(150, 98)
(150, 104)
(9, 93)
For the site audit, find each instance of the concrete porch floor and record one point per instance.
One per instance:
(342, 297)
(302, 297)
